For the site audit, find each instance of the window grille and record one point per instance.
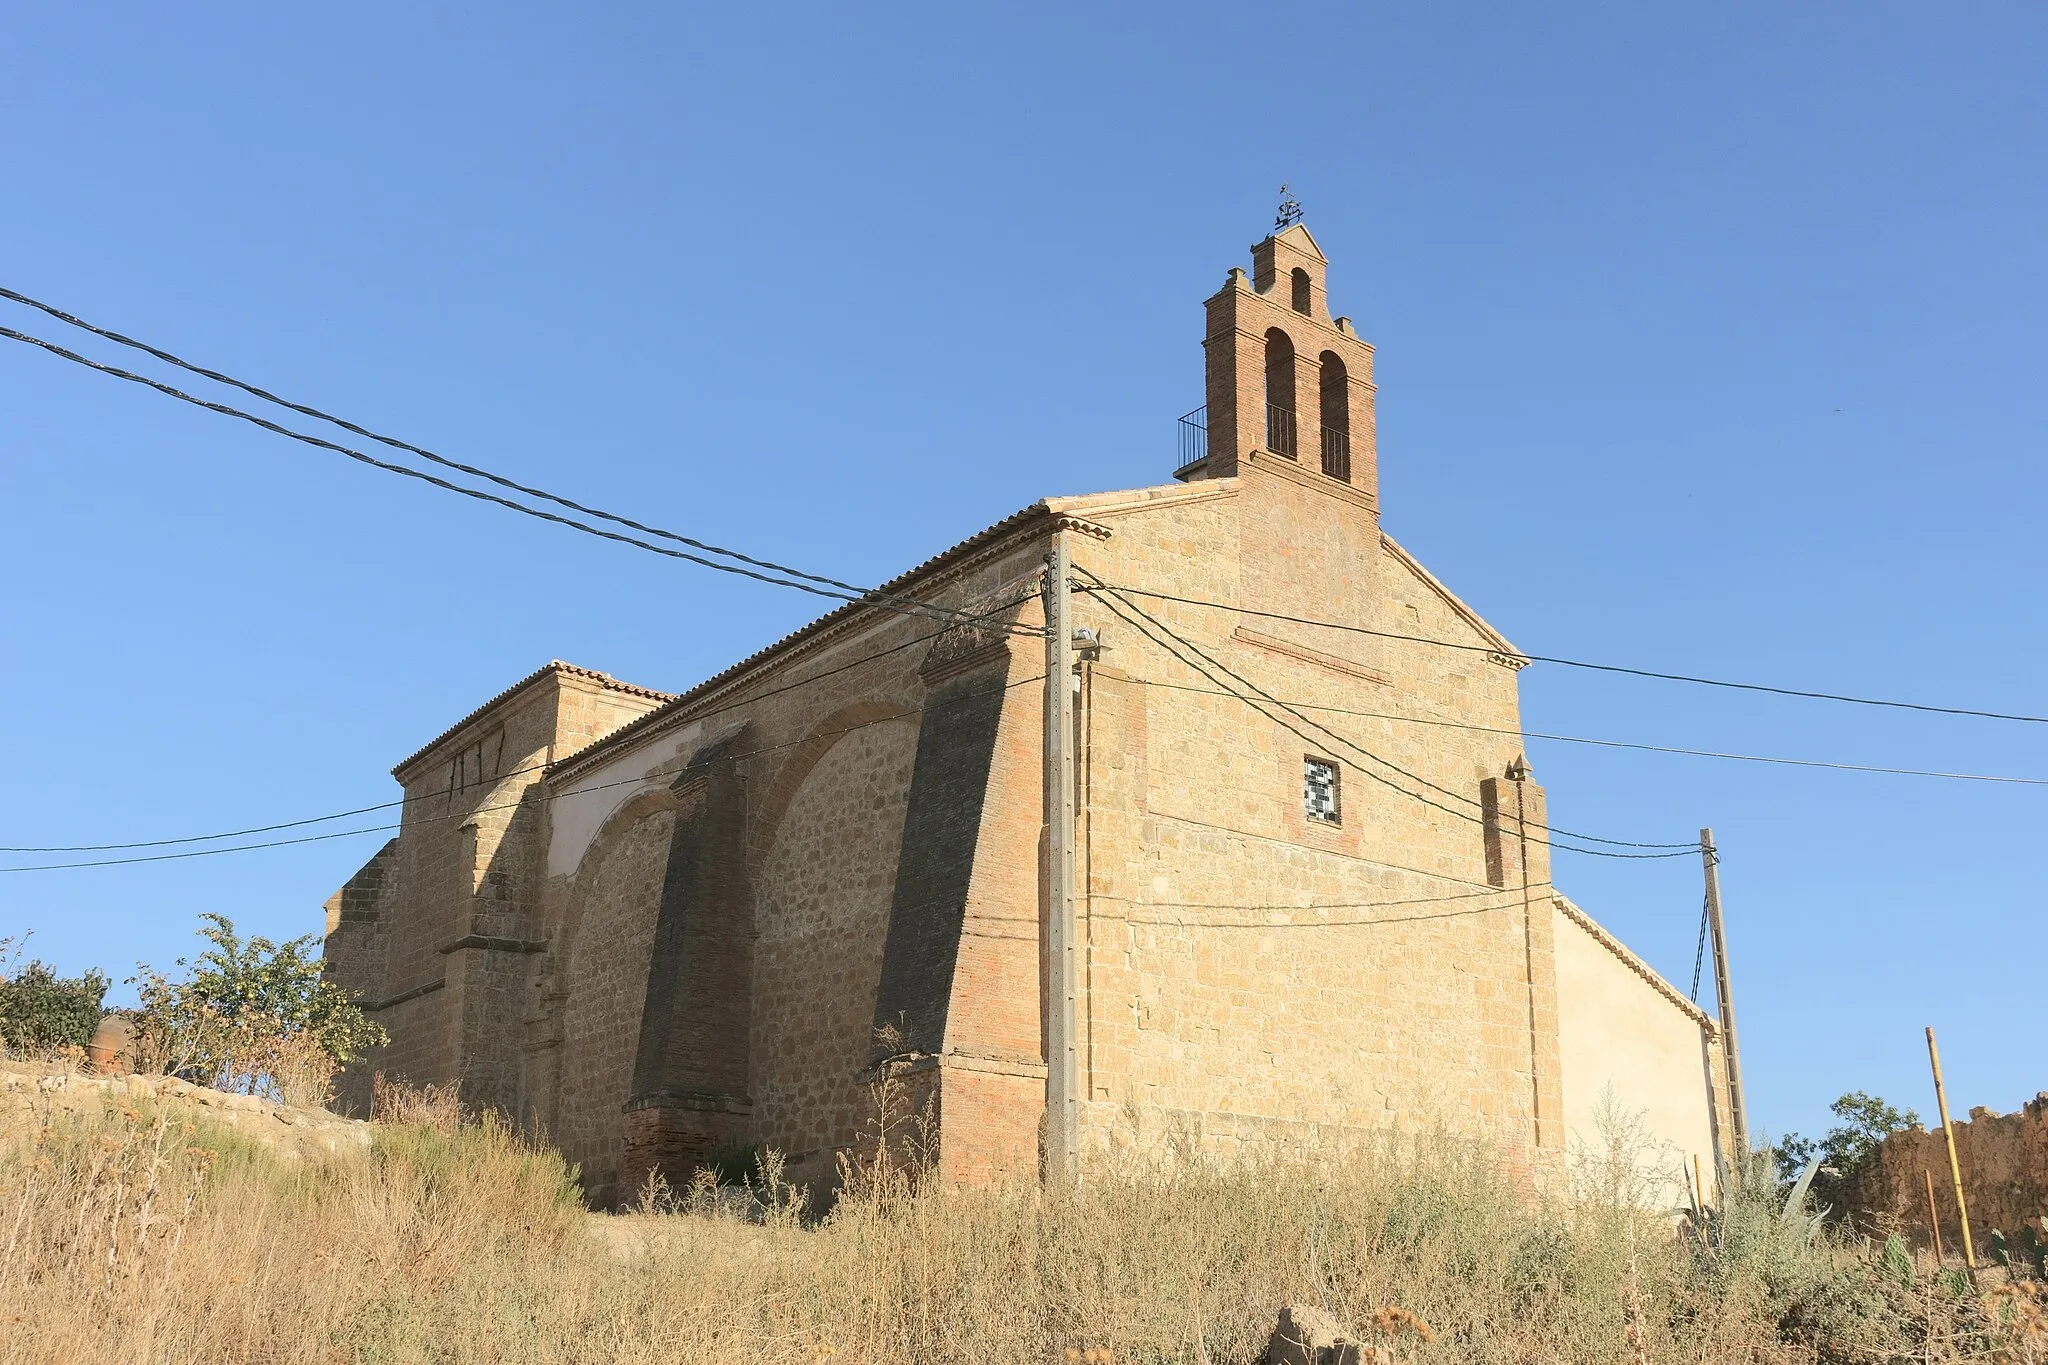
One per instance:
(1319, 790)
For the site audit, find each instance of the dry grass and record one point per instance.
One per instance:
(142, 1238)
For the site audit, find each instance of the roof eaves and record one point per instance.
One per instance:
(1043, 515)
(553, 668)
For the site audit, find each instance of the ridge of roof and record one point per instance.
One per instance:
(552, 668)
(1052, 512)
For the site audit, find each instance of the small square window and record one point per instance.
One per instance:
(1319, 796)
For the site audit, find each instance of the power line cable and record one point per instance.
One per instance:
(845, 587)
(1699, 953)
(749, 700)
(227, 834)
(1360, 749)
(1622, 744)
(870, 597)
(1332, 905)
(1172, 687)
(1581, 663)
(412, 449)
(1682, 850)
(471, 813)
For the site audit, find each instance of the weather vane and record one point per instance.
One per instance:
(1290, 212)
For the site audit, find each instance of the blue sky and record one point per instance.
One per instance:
(1710, 340)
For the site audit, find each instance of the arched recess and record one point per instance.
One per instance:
(1336, 411)
(606, 946)
(1304, 291)
(823, 892)
(772, 797)
(1281, 400)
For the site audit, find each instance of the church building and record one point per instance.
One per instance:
(1313, 889)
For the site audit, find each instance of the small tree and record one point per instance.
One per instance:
(1843, 1151)
(40, 1010)
(252, 1016)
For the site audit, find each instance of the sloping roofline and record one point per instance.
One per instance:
(1043, 516)
(553, 668)
(1451, 599)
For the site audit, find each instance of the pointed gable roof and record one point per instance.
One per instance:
(1301, 239)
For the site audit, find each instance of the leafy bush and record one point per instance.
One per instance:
(1867, 1121)
(251, 1016)
(40, 1010)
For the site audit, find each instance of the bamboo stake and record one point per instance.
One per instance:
(1955, 1167)
(1933, 1218)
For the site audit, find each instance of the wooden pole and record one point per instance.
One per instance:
(1933, 1218)
(1737, 1111)
(1062, 1097)
(1699, 1181)
(1955, 1167)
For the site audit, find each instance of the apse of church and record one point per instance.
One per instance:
(659, 928)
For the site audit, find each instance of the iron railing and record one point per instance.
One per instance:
(1194, 438)
(1337, 454)
(1280, 430)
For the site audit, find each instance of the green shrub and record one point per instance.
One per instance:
(40, 1010)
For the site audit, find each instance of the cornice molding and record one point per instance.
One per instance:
(1294, 472)
(1307, 655)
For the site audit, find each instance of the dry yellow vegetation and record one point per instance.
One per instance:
(144, 1234)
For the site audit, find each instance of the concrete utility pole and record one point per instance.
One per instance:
(1738, 1111)
(1062, 1100)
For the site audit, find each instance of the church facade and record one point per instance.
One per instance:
(1314, 875)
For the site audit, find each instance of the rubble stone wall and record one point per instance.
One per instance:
(2004, 1159)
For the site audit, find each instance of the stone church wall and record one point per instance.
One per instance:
(605, 989)
(1252, 971)
(843, 787)
(439, 956)
(822, 915)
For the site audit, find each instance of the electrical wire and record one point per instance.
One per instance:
(869, 597)
(1176, 922)
(228, 834)
(412, 449)
(472, 813)
(1681, 851)
(1108, 593)
(1171, 687)
(1581, 663)
(749, 700)
(1355, 746)
(1621, 744)
(1699, 953)
(860, 593)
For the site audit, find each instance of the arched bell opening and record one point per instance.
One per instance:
(1281, 402)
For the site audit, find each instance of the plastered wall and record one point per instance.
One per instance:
(1640, 1073)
